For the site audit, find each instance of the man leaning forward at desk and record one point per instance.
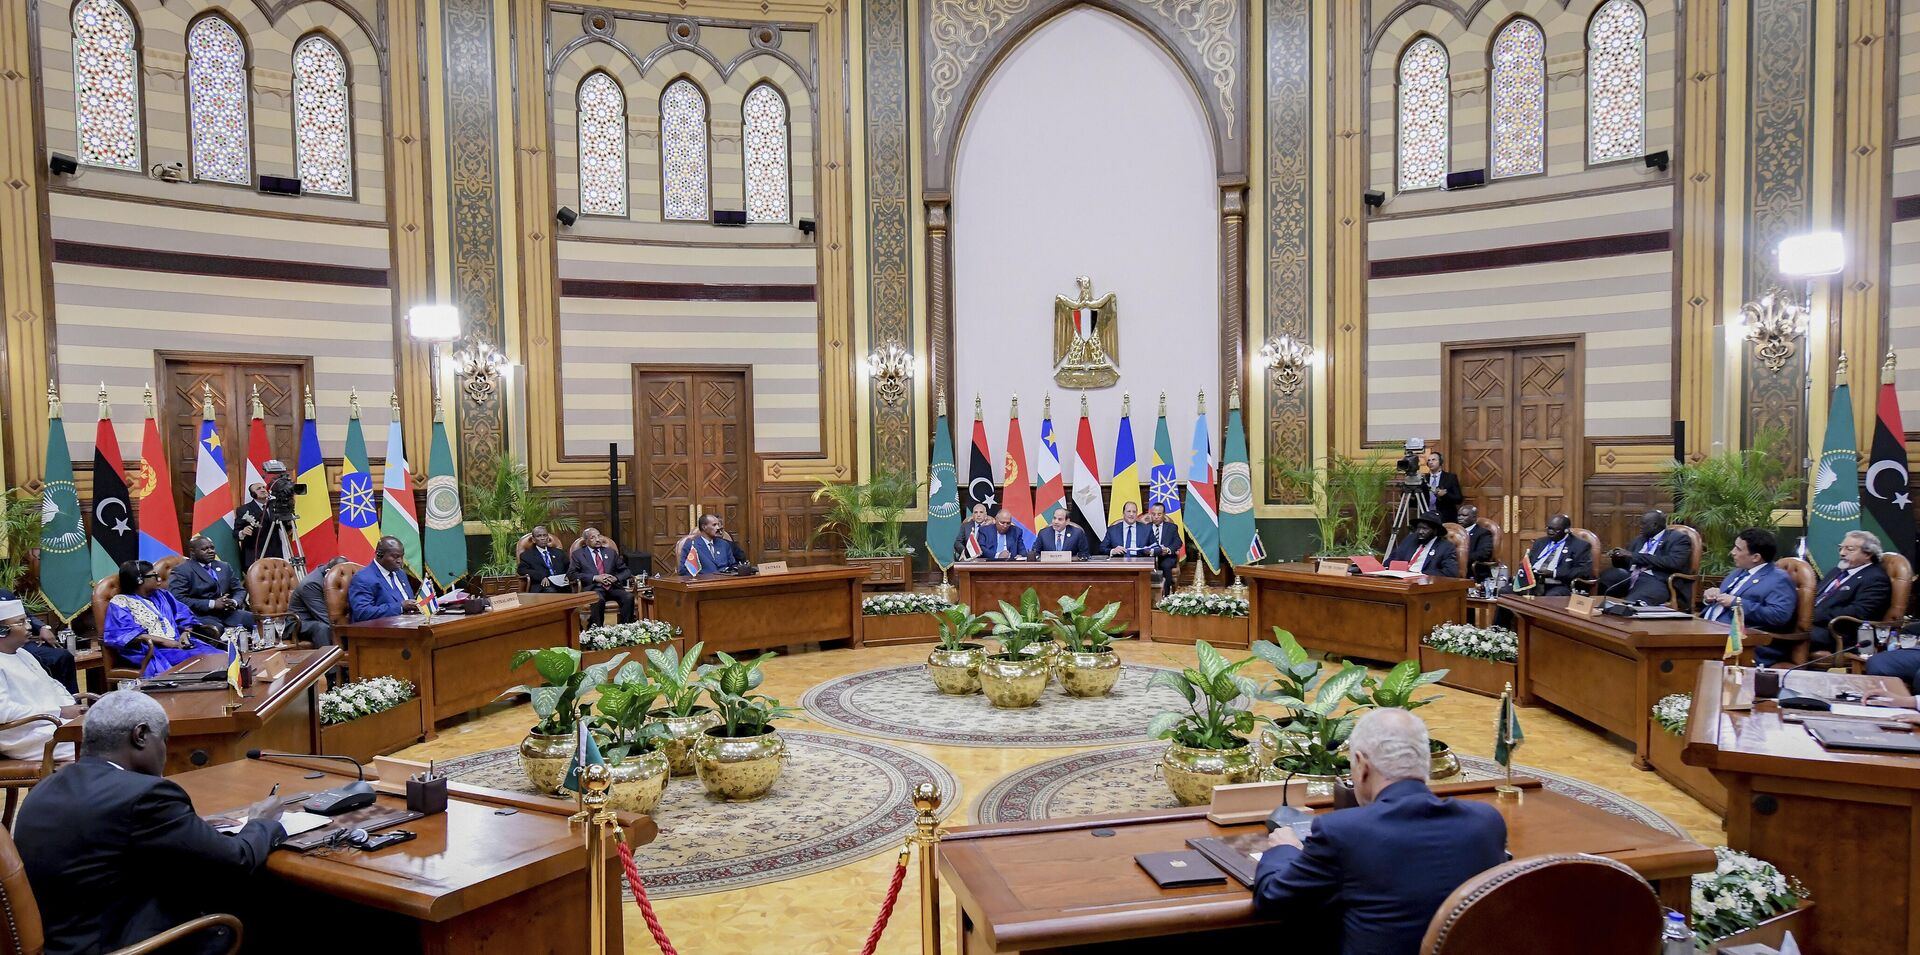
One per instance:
(1371, 877)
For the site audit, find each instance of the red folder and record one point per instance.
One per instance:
(1366, 564)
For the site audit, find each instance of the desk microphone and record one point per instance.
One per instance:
(1780, 685)
(330, 802)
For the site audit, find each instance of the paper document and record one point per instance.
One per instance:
(1872, 712)
(295, 822)
(1395, 574)
(558, 580)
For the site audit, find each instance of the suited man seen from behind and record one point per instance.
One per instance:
(1640, 570)
(1164, 546)
(1367, 880)
(543, 564)
(1443, 488)
(1764, 593)
(117, 854)
(309, 605)
(1427, 550)
(1479, 544)
(710, 551)
(1062, 535)
(210, 587)
(1004, 539)
(1857, 588)
(600, 570)
(381, 589)
(1559, 559)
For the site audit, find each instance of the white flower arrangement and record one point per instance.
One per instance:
(1740, 893)
(1186, 604)
(350, 701)
(639, 633)
(900, 602)
(1671, 712)
(1497, 644)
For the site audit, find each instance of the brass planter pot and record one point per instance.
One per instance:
(1192, 773)
(544, 759)
(738, 769)
(957, 672)
(1276, 742)
(1089, 674)
(638, 782)
(1011, 682)
(1444, 763)
(681, 732)
(1316, 785)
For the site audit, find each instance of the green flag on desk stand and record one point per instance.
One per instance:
(1507, 736)
(586, 752)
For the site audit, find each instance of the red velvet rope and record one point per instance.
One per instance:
(886, 908)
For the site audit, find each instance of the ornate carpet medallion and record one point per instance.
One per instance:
(901, 703)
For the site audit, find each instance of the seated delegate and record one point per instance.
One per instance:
(210, 587)
(147, 626)
(381, 589)
(1061, 535)
(27, 691)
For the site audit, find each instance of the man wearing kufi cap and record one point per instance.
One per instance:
(26, 690)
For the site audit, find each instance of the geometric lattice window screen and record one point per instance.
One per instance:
(1519, 100)
(1425, 123)
(106, 85)
(1617, 82)
(322, 118)
(683, 151)
(763, 122)
(602, 127)
(217, 102)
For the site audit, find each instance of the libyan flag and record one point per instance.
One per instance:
(1889, 512)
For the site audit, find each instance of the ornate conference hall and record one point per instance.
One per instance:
(1365, 477)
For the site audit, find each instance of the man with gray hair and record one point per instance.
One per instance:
(1382, 868)
(107, 840)
(1858, 587)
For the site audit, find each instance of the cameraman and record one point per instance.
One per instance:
(254, 523)
(1443, 488)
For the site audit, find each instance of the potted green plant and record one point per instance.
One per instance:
(1396, 690)
(504, 499)
(678, 678)
(740, 759)
(867, 517)
(1730, 490)
(1209, 739)
(1310, 742)
(1088, 665)
(1352, 498)
(629, 740)
(1017, 675)
(21, 515)
(955, 663)
(548, 748)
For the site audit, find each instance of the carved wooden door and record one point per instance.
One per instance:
(693, 450)
(187, 379)
(1513, 433)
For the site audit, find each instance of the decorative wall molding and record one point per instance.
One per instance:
(1779, 197)
(1289, 201)
(888, 218)
(474, 199)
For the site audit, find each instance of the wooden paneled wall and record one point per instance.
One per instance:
(1614, 503)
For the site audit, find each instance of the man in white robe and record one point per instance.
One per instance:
(26, 690)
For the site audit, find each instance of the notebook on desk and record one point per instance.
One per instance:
(1853, 734)
(1237, 856)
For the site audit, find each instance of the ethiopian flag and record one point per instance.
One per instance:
(65, 568)
(212, 491)
(359, 503)
(1203, 521)
(943, 492)
(446, 537)
(1163, 481)
(1126, 468)
(397, 517)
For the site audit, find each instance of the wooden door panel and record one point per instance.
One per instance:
(1544, 446)
(1514, 431)
(692, 447)
(1478, 445)
(282, 387)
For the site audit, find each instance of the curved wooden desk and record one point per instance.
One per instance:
(1129, 582)
(1373, 618)
(769, 609)
(281, 714)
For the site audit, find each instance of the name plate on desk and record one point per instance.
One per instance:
(504, 601)
(1580, 603)
(1331, 568)
(774, 567)
(1056, 557)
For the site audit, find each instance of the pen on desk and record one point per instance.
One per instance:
(275, 791)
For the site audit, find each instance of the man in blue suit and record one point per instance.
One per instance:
(1374, 875)
(210, 587)
(1003, 539)
(1764, 592)
(1062, 535)
(1163, 544)
(381, 589)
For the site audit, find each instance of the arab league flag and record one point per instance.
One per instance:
(312, 516)
(153, 488)
(110, 520)
(212, 492)
(1086, 479)
(1836, 485)
(943, 492)
(1126, 469)
(359, 502)
(1163, 481)
(64, 566)
(1052, 494)
(981, 486)
(1203, 522)
(397, 517)
(1889, 511)
(1507, 736)
(1238, 536)
(446, 537)
(1015, 488)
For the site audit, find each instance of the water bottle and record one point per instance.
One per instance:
(1675, 937)
(1500, 577)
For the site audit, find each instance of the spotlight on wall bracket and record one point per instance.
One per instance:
(1374, 200)
(1659, 160)
(806, 227)
(567, 216)
(62, 165)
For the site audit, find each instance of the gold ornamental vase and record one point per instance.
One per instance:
(1192, 773)
(638, 782)
(738, 769)
(1013, 681)
(1443, 763)
(1317, 785)
(544, 759)
(681, 732)
(956, 672)
(1091, 673)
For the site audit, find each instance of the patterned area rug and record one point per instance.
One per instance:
(902, 703)
(839, 800)
(1122, 779)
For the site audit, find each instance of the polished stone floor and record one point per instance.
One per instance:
(831, 912)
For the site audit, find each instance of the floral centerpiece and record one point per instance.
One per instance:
(1671, 713)
(350, 701)
(1740, 893)
(1188, 604)
(894, 604)
(1497, 644)
(639, 633)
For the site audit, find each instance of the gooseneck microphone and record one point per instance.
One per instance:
(358, 794)
(359, 768)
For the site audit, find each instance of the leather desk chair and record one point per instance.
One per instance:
(19, 775)
(21, 932)
(1587, 584)
(1686, 596)
(270, 586)
(1486, 569)
(103, 593)
(335, 587)
(1547, 904)
(1457, 536)
(1900, 574)
(633, 584)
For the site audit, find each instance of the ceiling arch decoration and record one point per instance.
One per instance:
(1463, 15)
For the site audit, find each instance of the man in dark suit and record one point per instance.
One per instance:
(1427, 550)
(309, 605)
(1367, 880)
(966, 544)
(1857, 588)
(1129, 538)
(381, 589)
(710, 551)
(1764, 593)
(1003, 539)
(1164, 546)
(44, 647)
(542, 562)
(1479, 543)
(1061, 535)
(210, 587)
(109, 844)
(1559, 559)
(600, 570)
(1640, 570)
(1443, 488)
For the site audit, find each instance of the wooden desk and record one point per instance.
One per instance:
(770, 609)
(984, 583)
(462, 663)
(1373, 618)
(281, 714)
(473, 882)
(1052, 886)
(1845, 823)
(1607, 670)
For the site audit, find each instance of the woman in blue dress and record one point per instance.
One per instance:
(147, 626)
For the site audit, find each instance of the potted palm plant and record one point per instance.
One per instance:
(1017, 675)
(548, 748)
(1309, 742)
(505, 500)
(1724, 492)
(685, 719)
(955, 663)
(20, 513)
(1088, 665)
(867, 517)
(631, 741)
(1209, 739)
(740, 759)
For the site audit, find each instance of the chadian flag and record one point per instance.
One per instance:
(64, 564)
(445, 540)
(1163, 481)
(1889, 509)
(233, 664)
(981, 488)
(1239, 535)
(1736, 633)
(1016, 489)
(1052, 495)
(152, 487)
(1202, 518)
(1126, 473)
(1086, 479)
(1836, 482)
(212, 491)
(359, 502)
(110, 520)
(397, 517)
(313, 518)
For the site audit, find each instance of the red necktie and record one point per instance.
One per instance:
(1835, 585)
(598, 566)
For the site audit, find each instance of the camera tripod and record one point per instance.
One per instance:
(289, 545)
(1413, 502)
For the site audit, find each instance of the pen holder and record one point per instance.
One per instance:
(427, 796)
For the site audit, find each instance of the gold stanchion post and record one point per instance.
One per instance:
(926, 802)
(595, 778)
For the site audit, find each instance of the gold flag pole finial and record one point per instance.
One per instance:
(1887, 367)
(439, 409)
(353, 403)
(53, 399)
(1083, 404)
(393, 402)
(940, 401)
(254, 405)
(1840, 370)
(1046, 405)
(1126, 404)
(1016, 406)
(206, 400)
(1163, 404)
(146, 398)
(307, 404)
(106, 407)
(1203, 401)
(978, 414)
(1233, 398)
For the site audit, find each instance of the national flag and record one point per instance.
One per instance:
(586, 752)
(1051, 495)
(427, 599)
(1239, 536)
(212, 491)
(943, 490)
(64, 564)
(110, 520)
(152, 487)
(359, 502)
(397, 517)
(1016, 490)
(1736, 633)
(690, 566)
(1836, 484)
(1202, 519)
(1087, 495)
(233, 665)
(258, 451)
(1526, 579)
(981, 477)
(1889, 509)
(313, 517)
(971, 549)
(446, 534)
(1258, 552)
(1163, 479)
(1507, 736)
(1126, 473)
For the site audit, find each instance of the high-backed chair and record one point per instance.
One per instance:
(103, 593)
(22, 933)
(1683, 588)
(335, 586)
(1900, 574)
(19, 775)
(1806, 581)
(1547, 904)
(1588, 584)
(633, 584)
(270, 586)
(1493, 529)
(1457, 536)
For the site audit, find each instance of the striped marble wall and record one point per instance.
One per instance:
(1903, 289)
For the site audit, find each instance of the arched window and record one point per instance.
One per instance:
(602, 128)
(322, 118)
(1617, 82)
(106, 85)
(763, 146)
(1425, 101)
(1519, 100)
(217, 102)
(684, 180)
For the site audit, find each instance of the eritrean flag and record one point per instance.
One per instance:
(691, 565)
(152, 487)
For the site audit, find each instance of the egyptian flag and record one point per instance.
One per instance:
(1889, 514)
(1087, 498)
(110, 521)
(981, 488)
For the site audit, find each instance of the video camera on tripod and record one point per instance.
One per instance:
(282, 523)
(1409, 463)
